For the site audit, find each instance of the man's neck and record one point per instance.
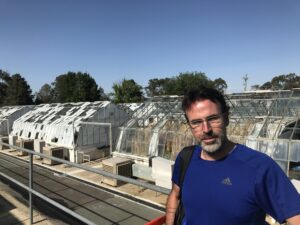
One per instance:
(225, 149)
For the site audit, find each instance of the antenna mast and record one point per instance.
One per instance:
(245, 83)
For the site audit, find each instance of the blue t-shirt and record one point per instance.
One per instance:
(236, 190)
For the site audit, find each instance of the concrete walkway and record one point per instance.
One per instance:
(14, 210)
(97, 205)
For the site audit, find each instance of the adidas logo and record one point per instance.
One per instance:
(226, 181)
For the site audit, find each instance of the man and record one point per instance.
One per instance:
(227, 183)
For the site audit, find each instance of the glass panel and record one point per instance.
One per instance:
(281, 150)
(295, 152)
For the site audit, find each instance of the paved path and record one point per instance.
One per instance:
(95, 204)
(14, 210)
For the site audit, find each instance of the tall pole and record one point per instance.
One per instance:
(245, 78)
(30, 188)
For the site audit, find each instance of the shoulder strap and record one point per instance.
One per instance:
(185, 156)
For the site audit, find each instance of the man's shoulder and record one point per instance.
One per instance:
(186, 152)
(252, 157)
(188, 148)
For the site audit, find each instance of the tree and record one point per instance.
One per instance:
(127, 91)
(191, 80)
(4, 79)
(18, 91)
(283, 82)
(278, 82)
(75, 87)
(103, 96)
(292, 81)
(157, 87)
(180, 84)
(45, 95)
(220, 84)
(266, 86)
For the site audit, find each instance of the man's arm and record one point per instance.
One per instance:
(295, 220)
(172, 204)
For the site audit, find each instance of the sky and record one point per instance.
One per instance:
(146, 39)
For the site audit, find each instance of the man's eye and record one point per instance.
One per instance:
(213, 118)
(197, 122)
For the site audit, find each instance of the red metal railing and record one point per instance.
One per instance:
(158, 221)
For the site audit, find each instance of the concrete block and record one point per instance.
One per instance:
(142, 171)
(57, 152)
(116, 165)
(12, 139)
(164, 182)
(4, 139)
(92, 153)
(38, 147)
(24, 143)
(162, 171)
(162, 167)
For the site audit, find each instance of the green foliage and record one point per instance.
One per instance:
(127, 91)
(45, 95)
(18, 91)
(102, 95)
(75, 87)
(282, 82)
(266, 86)
(187, 81)
(220, 85)
(158, 87)
(180, 84)
(4, 79)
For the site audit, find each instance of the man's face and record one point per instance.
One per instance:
(207, 124)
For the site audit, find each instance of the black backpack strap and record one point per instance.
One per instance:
(185, 158)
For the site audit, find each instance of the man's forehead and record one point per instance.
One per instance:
(204, 104)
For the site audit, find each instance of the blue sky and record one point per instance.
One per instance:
(146, 39)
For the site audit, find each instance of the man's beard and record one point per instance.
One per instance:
(213, 147)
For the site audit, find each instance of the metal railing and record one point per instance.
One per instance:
(86, 168)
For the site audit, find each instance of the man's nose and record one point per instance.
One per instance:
(206, 126)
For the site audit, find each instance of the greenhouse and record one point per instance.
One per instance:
(156, 128)
(8, 114)
(268, 121)
(85, 130)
